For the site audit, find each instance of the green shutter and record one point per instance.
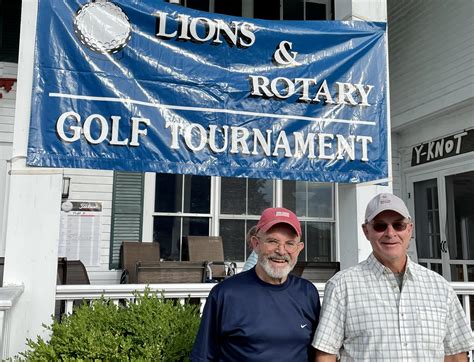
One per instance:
(127, 212)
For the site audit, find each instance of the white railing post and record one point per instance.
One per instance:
(8, 296)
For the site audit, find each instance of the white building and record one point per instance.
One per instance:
(432, 116)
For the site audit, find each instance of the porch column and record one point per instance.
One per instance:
(32, 228)
(353, 246)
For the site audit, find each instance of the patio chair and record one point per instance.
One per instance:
(210, 249)
(133, 252)
(70, 272)
(316, 271)
(171, 272)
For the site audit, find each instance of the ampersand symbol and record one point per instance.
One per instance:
(283, 56)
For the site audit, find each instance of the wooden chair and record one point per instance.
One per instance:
(131, 253)
(171, 272)
(210, 249)
(70, 272)
(316, 271)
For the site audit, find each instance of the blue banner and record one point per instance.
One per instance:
(151, 86)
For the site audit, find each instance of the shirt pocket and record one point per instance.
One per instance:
(431, 328)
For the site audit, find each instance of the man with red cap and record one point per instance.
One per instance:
(388, 308)
(263, 314)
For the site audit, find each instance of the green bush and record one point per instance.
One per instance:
(151, 329)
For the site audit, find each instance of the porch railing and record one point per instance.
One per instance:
(117, 292)
(182, 291)
(71, 293)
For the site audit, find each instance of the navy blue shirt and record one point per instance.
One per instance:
(246, 319)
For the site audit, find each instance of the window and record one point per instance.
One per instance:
(177, 206)
(267, 9)
(181, 208)
(226, 7)
(242, 202)
(293, 9)
(313, 203)
(10, 12)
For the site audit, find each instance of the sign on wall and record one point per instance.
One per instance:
(151, 86)
(459, 143)
(79, 237)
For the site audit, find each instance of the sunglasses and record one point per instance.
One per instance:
(381, 226)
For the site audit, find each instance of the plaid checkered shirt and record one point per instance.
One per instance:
(365, 316)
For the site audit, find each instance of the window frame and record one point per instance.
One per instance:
(248, 7)
(215, 216)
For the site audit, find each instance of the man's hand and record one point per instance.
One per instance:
(460, 357)
(326, 357)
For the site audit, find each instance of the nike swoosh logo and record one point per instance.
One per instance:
(303, 325)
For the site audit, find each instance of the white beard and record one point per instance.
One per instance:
(275, 273)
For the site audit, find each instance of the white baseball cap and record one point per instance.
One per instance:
(383, 202)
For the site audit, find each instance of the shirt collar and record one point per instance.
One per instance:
(378, 268)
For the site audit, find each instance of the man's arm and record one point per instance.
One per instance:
(326, 357)
(460, 357)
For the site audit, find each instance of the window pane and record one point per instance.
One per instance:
(197, 194)
(294, 197)
(266, 9)
(438, 268)
(320, 200)
(233, 195)
(470, 273)
(293, 10)
(233, 237)
(260, 195)
(198, 4)
(427, 219)
(315, 11)
(168, 192)
(318, 241)
(228, 7)
(457, 273)
(308, 199)
(169, 189)
(167, 231)
(196, 226)
(460, 215)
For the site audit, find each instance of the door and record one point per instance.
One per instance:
(443, 203)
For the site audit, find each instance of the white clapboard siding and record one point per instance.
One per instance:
(96, 185)
(7, 114)
(7, 103)
(430, 50)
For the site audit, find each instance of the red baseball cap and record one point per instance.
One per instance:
(277, 215)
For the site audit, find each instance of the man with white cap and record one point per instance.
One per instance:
(388, 308)
(263, 314)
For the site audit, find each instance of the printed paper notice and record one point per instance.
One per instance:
(80, 231)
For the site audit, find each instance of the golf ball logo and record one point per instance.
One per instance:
(102, 26)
